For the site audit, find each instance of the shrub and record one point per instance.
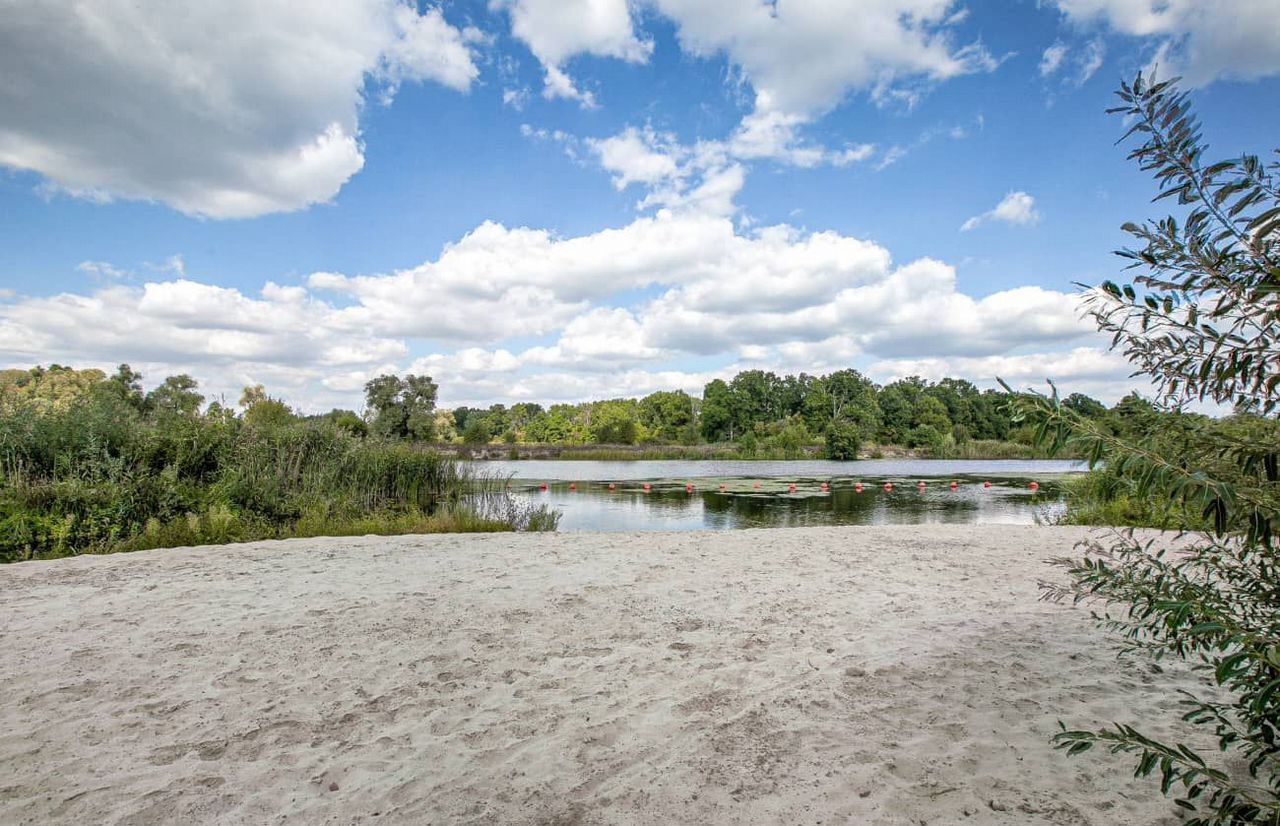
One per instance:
(842, 441)
(1199, 321)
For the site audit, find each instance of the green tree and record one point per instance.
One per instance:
(401, 408)
(127, 384)
(261, 410)
(176, 395)
(667, 414)
(348, 421)
(842, 439)
(477, 431)
(1200, 321)
(756, 398)
(898, 402)
(615, 422)
(843, 396)
(960, 398)
(931, 413)
(717, 423)
(1085, 406)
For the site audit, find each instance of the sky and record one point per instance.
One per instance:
(562, 200)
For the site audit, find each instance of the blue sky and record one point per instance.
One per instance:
(563, 199)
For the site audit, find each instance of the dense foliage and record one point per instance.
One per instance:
(1202, 320)
(765, 414)
(92, 464)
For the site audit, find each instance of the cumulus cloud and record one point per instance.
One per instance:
(223, 110)
(557, 30)
(799, 62)
(1203, 42)
(708, 175)
(1016, 209)
(503, 308)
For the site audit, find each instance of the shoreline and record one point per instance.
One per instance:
(881, 675)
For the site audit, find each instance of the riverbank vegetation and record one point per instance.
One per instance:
(92, 464)
(763, 415)
(1200, 321)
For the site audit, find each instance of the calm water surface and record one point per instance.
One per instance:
(759, 495)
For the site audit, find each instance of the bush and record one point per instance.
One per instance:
(925, 436)
(842, 441)
(97, 475)
(1200, 322)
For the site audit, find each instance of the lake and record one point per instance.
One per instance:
(759, 494)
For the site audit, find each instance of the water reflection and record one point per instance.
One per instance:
(572, 470)
(591, 506)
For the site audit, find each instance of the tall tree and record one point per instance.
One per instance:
(176, 395)
(717, 412)
(401, 408)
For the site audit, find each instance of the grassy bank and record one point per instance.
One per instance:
(97, 476)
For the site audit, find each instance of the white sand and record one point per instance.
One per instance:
(844, 675)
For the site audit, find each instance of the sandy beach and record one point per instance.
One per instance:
(902, 675)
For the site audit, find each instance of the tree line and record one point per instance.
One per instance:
(755, 410)
(841, 411)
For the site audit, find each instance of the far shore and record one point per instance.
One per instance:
(887, 675)
(606, 452)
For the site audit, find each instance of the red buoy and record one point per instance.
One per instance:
(573, 486)
(647, 487)
(755, 485)
(791, 488)
(986, 484)
(543, 486)
(857, 488)
(688, 488)
(723, 486)
(888, 486)
(1035, 486)
(612, 486)
(954, 484)
(920, 485)
(825, 486)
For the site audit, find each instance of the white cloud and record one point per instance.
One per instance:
(1094, 371)
(1095, 52)
(1052, 59)
(773, 296)
(802, 60)
(558, 30)
(707, 176)
(101, 271)
(638, 156)
(224, 110)
(1202, 41)
(1016, 209)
